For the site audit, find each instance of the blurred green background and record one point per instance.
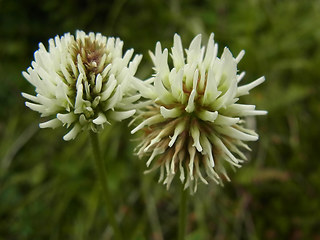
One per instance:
(48, 188)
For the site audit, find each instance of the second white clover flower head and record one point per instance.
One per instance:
(195, 125)
(82, 82)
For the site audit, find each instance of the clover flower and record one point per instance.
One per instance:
(195, 124)
(82, 82)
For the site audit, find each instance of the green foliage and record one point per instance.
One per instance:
(48, 189)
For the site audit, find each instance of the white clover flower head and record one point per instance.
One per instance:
(195, 124)
(82, 82)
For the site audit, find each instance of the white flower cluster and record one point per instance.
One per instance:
(195, 124)
(81, 82)
(190, 119)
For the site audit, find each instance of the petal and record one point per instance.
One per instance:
(198, 172)
(224, 120)
(240, 76)
(36, 107)
(73, 133)
(177, 52)
(217, 141)
(244, 90)
(177, 131)
(207, 149)
(101, 119)
(163, 94)
(116, 97)
(190, 107)
(149, 121)
(108, 88)
(170, 113)
(211, 52)
(30, 97)
(67, 118)
(121, 115)
(206, 115)
(98, 85)
(192, 154)
(53, 123)
(195, 133)
(211, 91)
(194, 51)
(240, 56)
(234, 133)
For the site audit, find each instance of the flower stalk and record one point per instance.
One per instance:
(102, 175)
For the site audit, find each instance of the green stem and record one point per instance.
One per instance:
(150, 205)
(182, 213)
(102, 175)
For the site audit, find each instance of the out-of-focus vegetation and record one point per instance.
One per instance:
(48, 189)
